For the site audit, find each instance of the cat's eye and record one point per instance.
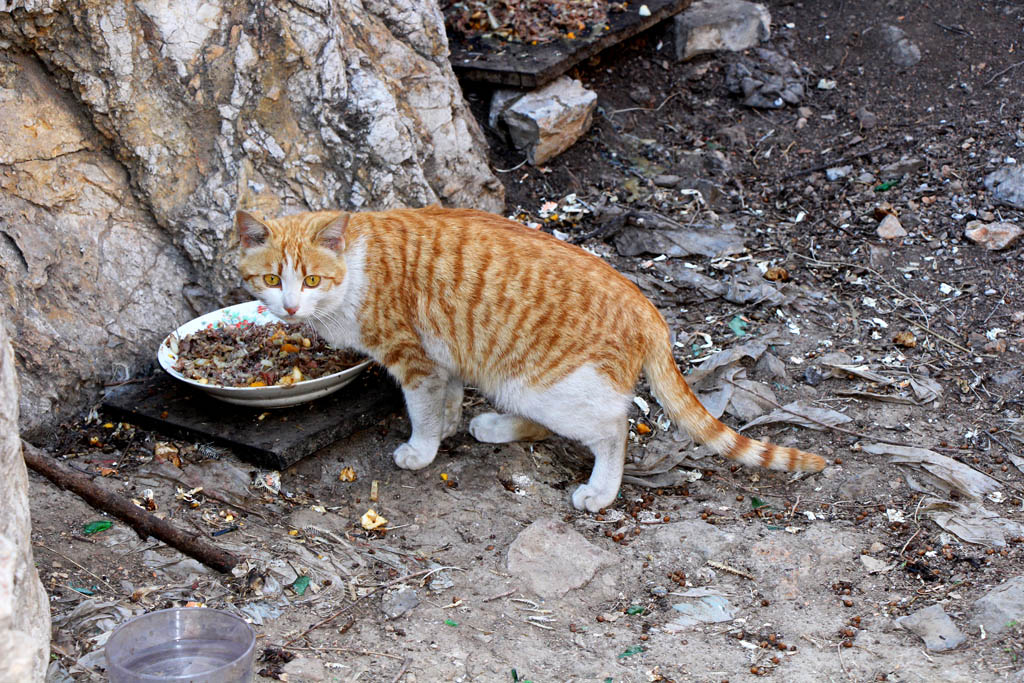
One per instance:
(311, 280)
(271, 280)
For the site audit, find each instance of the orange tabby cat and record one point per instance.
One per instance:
(440, 297)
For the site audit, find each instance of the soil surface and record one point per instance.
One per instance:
(910, 345)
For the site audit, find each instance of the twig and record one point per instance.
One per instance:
(500, 596)
(934, 333)
(514, 168)
(98, 578)
(730, 570)
(658, 108)
(1000, 73)
(903, 549)
(365, 653)
(953, 29)
(401, 672)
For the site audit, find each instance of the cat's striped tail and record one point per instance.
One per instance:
(686, 411)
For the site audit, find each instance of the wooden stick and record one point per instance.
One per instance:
(143, 522)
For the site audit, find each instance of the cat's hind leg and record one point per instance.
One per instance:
(609, 449)
(502, 428)
(425, 403)
(585, 407)
(452, 407)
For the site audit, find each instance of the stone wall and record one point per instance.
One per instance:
(24, 608)
(133, 130)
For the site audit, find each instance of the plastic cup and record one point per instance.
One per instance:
(182, 644)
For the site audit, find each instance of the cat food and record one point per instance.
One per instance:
(258, 356)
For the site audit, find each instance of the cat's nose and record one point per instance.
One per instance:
(291, 309)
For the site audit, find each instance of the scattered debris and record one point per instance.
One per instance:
(766, 80)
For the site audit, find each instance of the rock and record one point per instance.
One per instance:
(903, 167)
(714, 25)
(867, 119)
(935, 627)
(132, 131)
(552, 558)
(94, 283)
(736, 136)
(874, 565)
(890, 229)
(1007, 185)
(837, 172)
(993, 236)
(24, 607)
(546, 122)
(901, 50)
(640, 94)
(766, 80)
(399, 602)
(666, 180)
(1003, 604)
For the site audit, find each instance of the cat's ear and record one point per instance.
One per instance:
(332, 235)
(251, 231)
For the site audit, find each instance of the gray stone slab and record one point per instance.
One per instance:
(284, 435)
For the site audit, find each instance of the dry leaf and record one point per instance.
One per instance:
(941, 472)
(905, 339)
(971, 522)
(371, 520)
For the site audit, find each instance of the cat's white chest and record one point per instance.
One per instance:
(337, 319)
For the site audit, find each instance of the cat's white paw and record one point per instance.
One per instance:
(491, 428)
(502, 428)
(591, 498)
(408, 458)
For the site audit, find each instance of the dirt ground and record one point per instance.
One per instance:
(914, 340)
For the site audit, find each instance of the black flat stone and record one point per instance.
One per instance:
(492, 60)
(269, 438)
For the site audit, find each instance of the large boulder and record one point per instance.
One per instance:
(24, 607)
(132, 131)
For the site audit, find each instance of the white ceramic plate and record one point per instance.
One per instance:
(254, 313)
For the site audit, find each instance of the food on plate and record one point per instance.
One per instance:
(276, 354)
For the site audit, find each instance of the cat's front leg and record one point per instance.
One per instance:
(425, 403)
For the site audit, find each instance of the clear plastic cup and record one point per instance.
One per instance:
(182, 644)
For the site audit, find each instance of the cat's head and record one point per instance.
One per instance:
(292, 263)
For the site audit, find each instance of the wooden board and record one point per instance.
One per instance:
(491, 60)
(282, 437)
